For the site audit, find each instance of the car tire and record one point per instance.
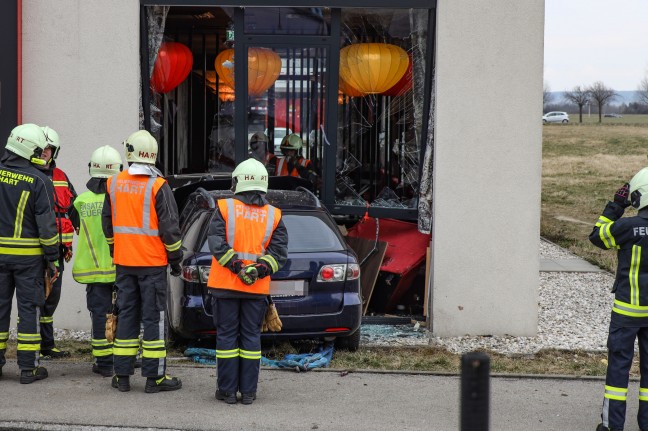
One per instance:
(565, 121)
(350, 343)
(544, 121)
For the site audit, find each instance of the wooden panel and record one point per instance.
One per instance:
(371, 267)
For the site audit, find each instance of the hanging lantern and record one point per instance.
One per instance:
(404, 84)
(348, 89)
(172, 65)
(264, 66)
(372, 68)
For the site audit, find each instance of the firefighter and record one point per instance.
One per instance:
(629, 320)
(259, 150)
(140, 222)
(67, 221)
(293, 163)
(29, 244)
(249, 242)
(93, 265)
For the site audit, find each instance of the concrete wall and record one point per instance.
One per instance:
(81, 74)
(81, 77)
(487, 167)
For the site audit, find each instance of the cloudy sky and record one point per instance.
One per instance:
(595, 40)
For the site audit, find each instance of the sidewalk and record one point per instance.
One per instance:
(76, 399)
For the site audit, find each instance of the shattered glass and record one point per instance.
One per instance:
(156, 23)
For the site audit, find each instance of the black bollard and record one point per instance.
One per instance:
(475, 392)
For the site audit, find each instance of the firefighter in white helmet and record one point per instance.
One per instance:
(260, 151)
(29, 242)
(93, 265)
(67, 222)
(629, 320)
(249, 242)
(140, 222)
(293, 163)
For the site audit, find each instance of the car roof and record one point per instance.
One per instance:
(283, 199)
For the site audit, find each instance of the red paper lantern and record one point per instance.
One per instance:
(172, 65)
(404, 84)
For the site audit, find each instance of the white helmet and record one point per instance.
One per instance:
(27, 141)
(141, 147)
(52, 140)
(639, 189)
(250, 175)
(291, 142)
(105, 162)
(259, 137)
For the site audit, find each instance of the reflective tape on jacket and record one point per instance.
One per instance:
(62, 201)
(282, 167)
(135, 224)
(248, 231)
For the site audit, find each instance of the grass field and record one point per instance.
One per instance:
(593, 119)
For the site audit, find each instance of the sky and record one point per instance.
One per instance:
(595, 40)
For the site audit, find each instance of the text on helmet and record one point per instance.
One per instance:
(147, 155)
(252, 177)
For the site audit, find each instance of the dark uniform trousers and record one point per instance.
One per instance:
(99, 301)
(620, 354)
(27, 280)
(141, 298)
(47, 312)
(238, 342)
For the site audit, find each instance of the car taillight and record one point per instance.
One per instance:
(338, 272)
(195, 274)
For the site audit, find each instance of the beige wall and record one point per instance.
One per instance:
(81, 72)
(487, 167)
(81, 77)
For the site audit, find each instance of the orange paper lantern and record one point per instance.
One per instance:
(172, 65)
(264, 67)
(372, 68)
(404, 84)
(349, 90)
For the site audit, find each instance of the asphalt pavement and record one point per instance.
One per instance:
(73, 398)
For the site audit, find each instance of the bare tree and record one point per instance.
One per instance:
(580, 97)
(643, 91)
(547, 97)
(602, 95)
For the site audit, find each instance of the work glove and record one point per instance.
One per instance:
(235, 265)
(67, 253)
(271, 320)
(262, 269)
(176, 269)
(52, 271)
(621, 196)
(248, 275)
(111, 327)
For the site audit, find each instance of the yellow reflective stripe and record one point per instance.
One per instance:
(110, 241)
(60, 183)
(174, 246)
(127, 343)
(226, 257)
(643, 394)
(123, 351)
(271, 261)
(635, 261)
(247, 354)
(154, 354)
(153, 344)
(29, 347)
(224, 354)
(100, 342)
(28, 337)
(603, 220)
(50, 241)
(66, 237)
(4, 335)
(606, 235)
(614, 393)
(19, 241)
(3, 345)
(21, 251)
(46, 319)
(103, 352)
(630, 309)
(20, 212)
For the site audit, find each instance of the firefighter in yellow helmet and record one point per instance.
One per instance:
(140, 222)
(29, 243)
(629, 320)
(293, 163)
(259, 150)
(67, 222)
(249, 242)
(93, 265)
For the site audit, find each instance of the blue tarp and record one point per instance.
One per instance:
(298, 362)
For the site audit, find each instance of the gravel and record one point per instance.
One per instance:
(573, 314)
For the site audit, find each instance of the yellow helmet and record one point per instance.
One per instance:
(27, 141)
(141, 147)
(250, 175)
(52, 140)
(105, 162)
(639, 189)
(291, 142)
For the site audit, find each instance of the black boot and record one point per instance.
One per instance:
(164, 383)
(228, 397)
(122, 383)
(30, 376)
(54, 353)
(248, 398)
(104, 371)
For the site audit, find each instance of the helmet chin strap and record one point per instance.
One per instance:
(38, 161)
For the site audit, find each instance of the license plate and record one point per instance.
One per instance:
(288, 288)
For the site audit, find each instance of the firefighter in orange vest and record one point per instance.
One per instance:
(293, 163)
(140, 222)
(67, 221)
(259, 150)
(249, 242)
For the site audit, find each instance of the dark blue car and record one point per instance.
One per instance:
(317, 292)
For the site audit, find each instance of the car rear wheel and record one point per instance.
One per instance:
(350, 342)
(565, 121)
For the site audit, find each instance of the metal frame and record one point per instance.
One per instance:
(374, 4)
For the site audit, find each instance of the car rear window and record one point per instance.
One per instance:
(306, 233)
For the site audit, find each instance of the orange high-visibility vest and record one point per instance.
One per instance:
(248, 230)
(62, 202)
(282, 167)
(135, 224)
